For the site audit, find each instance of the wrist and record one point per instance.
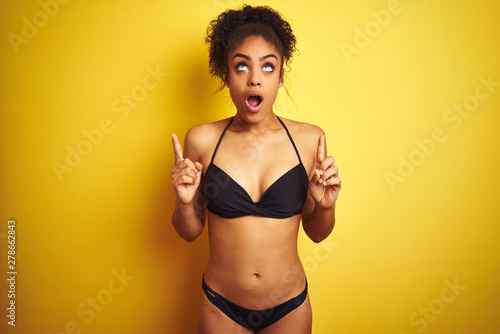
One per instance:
(320, 207)
(179, 204)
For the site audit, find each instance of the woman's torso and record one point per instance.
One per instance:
(254, 260)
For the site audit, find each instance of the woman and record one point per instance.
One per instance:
(257, 183)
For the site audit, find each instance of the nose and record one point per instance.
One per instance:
(255, 79)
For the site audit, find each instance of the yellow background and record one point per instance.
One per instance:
(393, 249)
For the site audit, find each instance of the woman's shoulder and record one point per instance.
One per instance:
(201, 137)
(302, 130)
(203, 132)
(305, 137)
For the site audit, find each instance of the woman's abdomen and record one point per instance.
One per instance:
(254, 261)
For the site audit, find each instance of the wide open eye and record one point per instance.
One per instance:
(241, 67)
(268, 68)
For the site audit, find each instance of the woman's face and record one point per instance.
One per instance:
(254, 77)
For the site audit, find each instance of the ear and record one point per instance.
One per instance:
(282, 76)
(226, 79)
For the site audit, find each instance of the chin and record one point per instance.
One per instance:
(254, 117)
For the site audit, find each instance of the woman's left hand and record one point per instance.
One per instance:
(325, 184)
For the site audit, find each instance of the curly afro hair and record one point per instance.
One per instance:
(231, 27)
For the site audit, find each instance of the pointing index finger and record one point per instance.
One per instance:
(320, 155)
(177, 149)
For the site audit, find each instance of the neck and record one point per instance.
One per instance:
(270, 121)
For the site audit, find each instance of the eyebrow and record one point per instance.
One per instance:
(261, 58)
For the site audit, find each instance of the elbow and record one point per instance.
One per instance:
(188, 236)
(188, 228)
(189, 239)
(187, 233)
(317, 239)
(320, 236)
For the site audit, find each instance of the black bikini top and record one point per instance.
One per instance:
(283, 199)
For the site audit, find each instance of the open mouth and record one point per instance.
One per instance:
(254, 100)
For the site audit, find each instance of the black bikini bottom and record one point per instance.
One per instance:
(253, 319)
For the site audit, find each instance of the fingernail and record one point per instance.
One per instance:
(321, 172)
(320, 181)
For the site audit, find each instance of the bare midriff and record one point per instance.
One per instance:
(254, 260)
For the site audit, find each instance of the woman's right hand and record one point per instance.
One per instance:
(186, 175)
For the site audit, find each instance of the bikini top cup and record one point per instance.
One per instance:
(283, 199)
